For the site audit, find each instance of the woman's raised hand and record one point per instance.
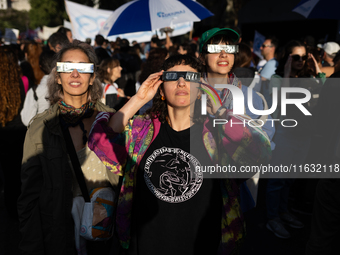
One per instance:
(149, 87)
(314, 64)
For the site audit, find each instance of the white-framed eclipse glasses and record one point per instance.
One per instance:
(217, 48)
(66, 67)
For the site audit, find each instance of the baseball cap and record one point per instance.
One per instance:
(331, 48)
(207, 35)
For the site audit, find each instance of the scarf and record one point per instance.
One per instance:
(72, 117)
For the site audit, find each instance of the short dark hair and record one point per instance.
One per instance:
(99, 39)
(274, 41)
(57, 38)
(63, 30)
(46, 60)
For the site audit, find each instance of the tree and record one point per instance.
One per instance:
(13, 19)
(50, 12)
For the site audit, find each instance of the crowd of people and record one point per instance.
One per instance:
(135, 115)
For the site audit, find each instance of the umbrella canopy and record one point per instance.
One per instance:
(148, 15)
(319, 9)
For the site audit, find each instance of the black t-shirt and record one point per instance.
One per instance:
(175, 210)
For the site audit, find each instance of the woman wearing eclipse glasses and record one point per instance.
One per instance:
(165, 205)
(292, 143)
(48, 181)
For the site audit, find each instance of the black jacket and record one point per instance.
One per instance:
(45, 203)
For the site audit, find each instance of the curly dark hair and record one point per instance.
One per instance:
(159, 107)
(9, 85)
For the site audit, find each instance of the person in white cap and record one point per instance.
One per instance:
(330, 50)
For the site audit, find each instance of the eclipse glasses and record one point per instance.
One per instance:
(216, 48)
(66, 67)
(188, 76)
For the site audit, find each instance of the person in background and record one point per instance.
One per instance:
(185, 48)
(324, 150)
(100, 48)
(12, 131)
(56, 41)
(66, 32)
(329, 51)
(35, 101)
(108, 72)
(243, 70)
(291, 143)
(48, 181)
(268, 49)
(32, 52)
(155, 60)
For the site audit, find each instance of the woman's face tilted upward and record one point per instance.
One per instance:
(180, 93)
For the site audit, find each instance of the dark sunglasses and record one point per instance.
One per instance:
(188, 76)
(298, 57)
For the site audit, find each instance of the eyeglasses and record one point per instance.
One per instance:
(216, 48)
(188, 76)
(66, 67)
(297, 57)
(266, 45)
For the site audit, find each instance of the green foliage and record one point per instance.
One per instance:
(50, 13)
(47, 13)
(13, 19)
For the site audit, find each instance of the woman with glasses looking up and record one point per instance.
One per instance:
(166, 206)
(292, 143)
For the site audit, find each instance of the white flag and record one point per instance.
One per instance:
(86, 21)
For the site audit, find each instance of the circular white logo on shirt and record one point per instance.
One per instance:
(170, 175)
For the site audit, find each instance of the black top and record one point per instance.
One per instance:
(176, 211)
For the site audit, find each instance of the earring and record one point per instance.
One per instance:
(162, 98)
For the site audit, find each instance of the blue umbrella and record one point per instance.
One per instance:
(319, 9)
(148, 15)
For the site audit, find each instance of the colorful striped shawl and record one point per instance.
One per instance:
(123, 152)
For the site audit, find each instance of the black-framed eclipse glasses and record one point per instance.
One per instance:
(188, 76)
(297, 57)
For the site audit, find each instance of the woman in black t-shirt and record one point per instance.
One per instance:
(166, 204)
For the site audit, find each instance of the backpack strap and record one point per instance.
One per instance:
(107, 86)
